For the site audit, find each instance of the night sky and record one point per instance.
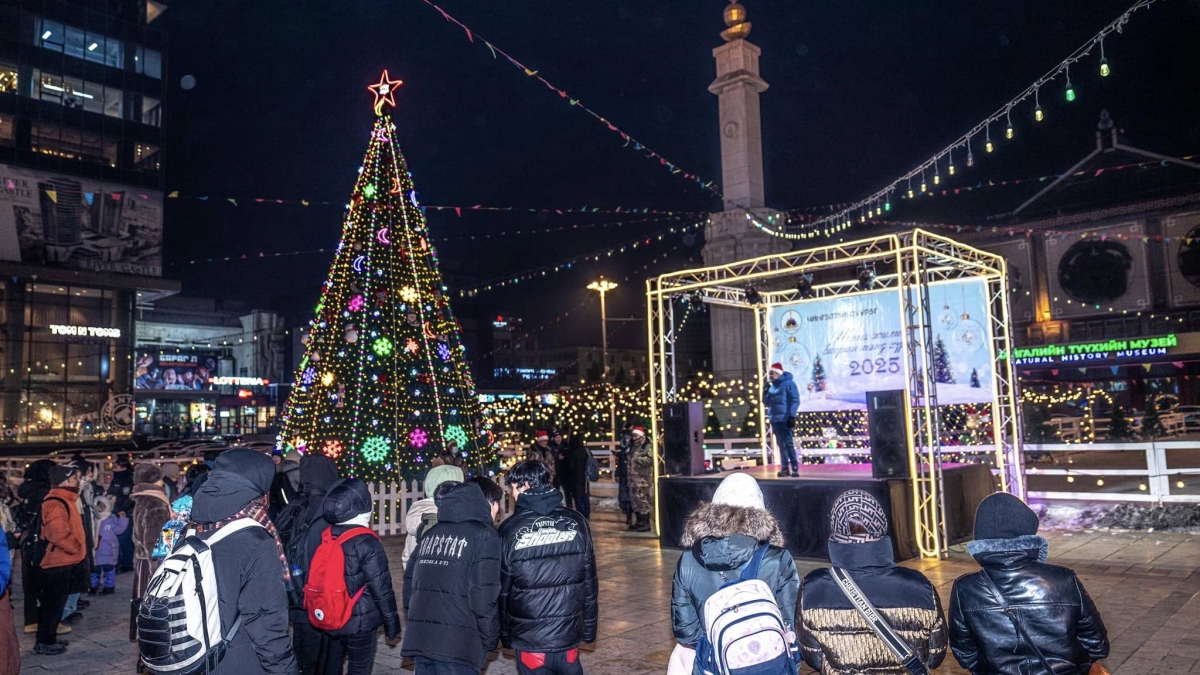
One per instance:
(859, 93)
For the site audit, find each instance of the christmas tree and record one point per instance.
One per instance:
(974, 378)
(1119, 428)
(383, 386)
(1152, 426)
(817, 383)
(942, 374)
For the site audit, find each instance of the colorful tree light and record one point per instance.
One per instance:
(375, 449)
(418, 438)
(332, 448)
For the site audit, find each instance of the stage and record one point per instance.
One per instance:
(801, 505)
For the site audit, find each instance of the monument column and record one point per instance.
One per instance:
(729, 236)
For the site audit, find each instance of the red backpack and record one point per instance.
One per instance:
(326, 599)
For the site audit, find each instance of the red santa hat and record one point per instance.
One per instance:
(777, 368)
(542, 433)
(639, 431)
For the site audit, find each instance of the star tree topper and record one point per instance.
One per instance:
(385, 92)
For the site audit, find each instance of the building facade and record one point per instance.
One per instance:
(81, 212)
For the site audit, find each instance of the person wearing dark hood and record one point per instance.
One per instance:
(721, 537)
(196, 474)
(62, 532)
(834, 637)
(300, 525)
(150, 513)
(347, 506)
(782, 398)
(548, 588)
(252, 577)
(451, 586)
(621, 473)
(32, 491)
(574, 475)
(1019, 614)
(286, 486)
(121, 487)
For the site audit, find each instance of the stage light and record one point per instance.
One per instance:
(866, 276)
(752, 296)
(804, 285)
(696, 299)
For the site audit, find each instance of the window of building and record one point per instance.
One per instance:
(148, 62)
(7, 133)
(69, 143)
(79, 43)
(72, 92)
(151, 111)
(8, 78)
(146, 157)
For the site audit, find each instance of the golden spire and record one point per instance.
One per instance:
(735, 18)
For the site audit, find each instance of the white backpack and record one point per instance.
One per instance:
(179, 621)
(744, 632)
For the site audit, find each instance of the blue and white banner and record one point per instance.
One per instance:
(839, 349)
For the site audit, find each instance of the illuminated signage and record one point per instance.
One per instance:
(85, 331)
(1093, 351)
(526, 373)
(240, 381)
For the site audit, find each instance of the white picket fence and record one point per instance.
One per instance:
(393, 500)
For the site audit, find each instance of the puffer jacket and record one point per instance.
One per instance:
(548, 588)
(412, 524)
(62, 528)
(1048, 601)
(720, 540)
(452, 583)
(836, 640)
(782, 398)
(348, 504)
(149, 515)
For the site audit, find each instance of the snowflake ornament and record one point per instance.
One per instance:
(375, 449)
(409, 294)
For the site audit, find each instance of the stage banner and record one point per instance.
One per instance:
(839, 349)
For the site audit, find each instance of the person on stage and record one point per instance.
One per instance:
(782, 398)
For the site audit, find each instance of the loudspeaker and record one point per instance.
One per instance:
(683, 438)
(886, 412)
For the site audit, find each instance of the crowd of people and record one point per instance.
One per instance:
(305, 585)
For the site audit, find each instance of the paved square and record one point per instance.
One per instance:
(1146, 586)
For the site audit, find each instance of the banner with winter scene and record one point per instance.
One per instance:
(840, 348)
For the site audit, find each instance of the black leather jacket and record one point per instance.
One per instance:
(1048, 601)
(548, 589)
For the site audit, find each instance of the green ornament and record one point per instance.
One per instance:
(375, 449)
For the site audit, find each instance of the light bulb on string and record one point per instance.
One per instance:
(987, 143)
(922, 181)
(1038, 115)
(1070, 91)
(1008, 132)
(970, 157)
(937, 179)
(950, 162)
(1105, 71)
(910, 192)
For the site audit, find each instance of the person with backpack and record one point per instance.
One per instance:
(835, 637)
(423, 513)
(548, 587)
(1019, 614)
(248, 564)
(350, 564)
(451, 586)
(63, 548)
(300, 525)
(734, 541)
(32, 491)
(151, 511)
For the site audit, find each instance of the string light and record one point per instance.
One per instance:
(1105, 71)
(923, 181)
(1070, 90)
(987, 144)
(1008, 132)
(970, 157)
(1038, 115)
(936, 177)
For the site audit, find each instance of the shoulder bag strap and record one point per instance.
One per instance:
(750, 571)
(232, 528)
(1011, 612)
(898, 646)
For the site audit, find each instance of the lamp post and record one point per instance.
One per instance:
(604, 286)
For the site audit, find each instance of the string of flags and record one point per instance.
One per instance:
(630, 245)
(630, 141)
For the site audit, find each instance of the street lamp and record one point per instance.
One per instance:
(604, 286)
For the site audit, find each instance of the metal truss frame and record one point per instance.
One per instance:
(906, 263)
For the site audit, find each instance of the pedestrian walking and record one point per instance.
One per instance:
(108, 548)
(723, 538)
(151, 511)
(423, 513)
(641, 479)
(835, 638)
(1019, 614)
(451, 586)
(300, 525)
(10, 647)
(548, 587)
(348, 509)
(34, 487)
(782, 398)
(63, 547)
(252, 576)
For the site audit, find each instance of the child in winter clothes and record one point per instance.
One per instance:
(108, 549)
(348, 505)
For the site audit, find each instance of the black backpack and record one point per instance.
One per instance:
(293, 530)
(33, 545)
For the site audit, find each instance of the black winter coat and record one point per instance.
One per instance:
(317, 474)
(548, 588)
(722, 539)
(574, 471)
(452, 583)
(366, 564)
(120, 489)
(1048, 601)
(836, 639)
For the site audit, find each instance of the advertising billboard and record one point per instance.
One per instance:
(53, 219)
(174, 372)
(840, 348)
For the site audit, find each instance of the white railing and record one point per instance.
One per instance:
(393, 500)
(1151, 479)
